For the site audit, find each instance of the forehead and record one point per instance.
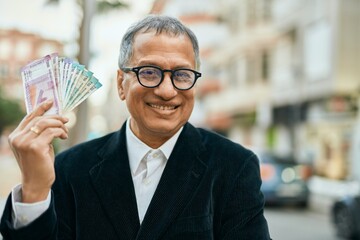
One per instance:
(168, 47)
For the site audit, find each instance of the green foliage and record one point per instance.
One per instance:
(105, 6)
(102, 6)
(271, 137)
(10, 112)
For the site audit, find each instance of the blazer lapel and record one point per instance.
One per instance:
(182, 174)
(112, 181)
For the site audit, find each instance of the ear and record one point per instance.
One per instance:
(120, 81)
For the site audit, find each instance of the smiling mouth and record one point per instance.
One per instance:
(163, 107)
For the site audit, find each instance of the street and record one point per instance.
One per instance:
(299, 224)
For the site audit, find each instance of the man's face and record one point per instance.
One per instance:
(157, 113)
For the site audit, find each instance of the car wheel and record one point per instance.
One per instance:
(343, 222)
(303, 204)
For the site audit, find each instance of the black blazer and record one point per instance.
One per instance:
(210, 189)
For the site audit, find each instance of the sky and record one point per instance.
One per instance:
(55, 21)
(38, 17)
(61, 21)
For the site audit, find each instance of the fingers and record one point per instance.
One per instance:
(38, 125)
(40, 130)
(40, 145)
(42, 108)
(31, 143)
(45, 130)
(35, 130)
(34, 124)
(49, 134)
(38, 111)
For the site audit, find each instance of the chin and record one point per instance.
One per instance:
(165, 128)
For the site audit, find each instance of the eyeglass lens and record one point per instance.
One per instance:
(151, 77)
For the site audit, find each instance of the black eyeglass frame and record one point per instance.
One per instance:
(136, 70)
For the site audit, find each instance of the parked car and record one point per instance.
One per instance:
(345, 215)
(283, 180)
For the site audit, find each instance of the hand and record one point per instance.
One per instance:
(31, 143)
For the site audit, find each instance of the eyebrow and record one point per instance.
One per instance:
(152, 63)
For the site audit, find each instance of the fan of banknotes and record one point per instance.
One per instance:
(65, 81)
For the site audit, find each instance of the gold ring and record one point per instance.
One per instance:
(35, 130)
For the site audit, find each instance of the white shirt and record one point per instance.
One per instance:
(145, 180)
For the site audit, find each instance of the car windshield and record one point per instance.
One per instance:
(271, 158)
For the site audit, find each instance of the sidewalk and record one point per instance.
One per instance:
(9, 172)
(9, 177)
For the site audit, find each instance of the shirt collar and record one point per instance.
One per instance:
(137, 149)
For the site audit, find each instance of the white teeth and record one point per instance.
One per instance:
(162, 107)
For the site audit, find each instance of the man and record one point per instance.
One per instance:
(156, 178)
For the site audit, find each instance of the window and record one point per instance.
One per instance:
(251, 69)
(264, 67)
(22, 50)
(5, 49)
(251, 12)
(318, 43)
(265, 10)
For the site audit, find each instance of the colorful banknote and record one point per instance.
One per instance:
(65, 81)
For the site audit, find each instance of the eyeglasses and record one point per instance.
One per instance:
(151, 77)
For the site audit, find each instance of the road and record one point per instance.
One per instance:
(299, 224)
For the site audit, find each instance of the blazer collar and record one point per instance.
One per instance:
(182, 175)
(112, 180)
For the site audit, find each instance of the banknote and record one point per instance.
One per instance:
(39, 84)
(62, 79)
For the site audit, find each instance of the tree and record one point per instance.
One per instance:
(10, 112)
(89, 8)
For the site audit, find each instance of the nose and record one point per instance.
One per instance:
(166, 89)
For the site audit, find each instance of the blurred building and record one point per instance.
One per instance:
(204, 20)
(16, 50)
(291, 73)
(280, 74)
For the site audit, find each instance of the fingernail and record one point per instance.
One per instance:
(48, 102)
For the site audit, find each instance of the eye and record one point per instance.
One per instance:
(150, 73)
(183, 75)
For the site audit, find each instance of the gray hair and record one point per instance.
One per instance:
(159, 24)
